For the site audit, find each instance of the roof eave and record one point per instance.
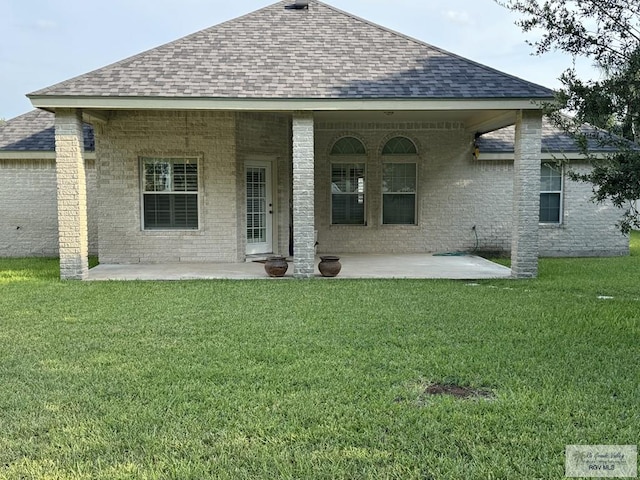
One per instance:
(52, 102)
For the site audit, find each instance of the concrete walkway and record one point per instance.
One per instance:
(466, 267)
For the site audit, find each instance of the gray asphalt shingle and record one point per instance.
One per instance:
(554, 140)
(319, 53)
(34, 132)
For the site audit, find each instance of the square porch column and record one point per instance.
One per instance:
(72, 195)
(303, 195)
(526, 194)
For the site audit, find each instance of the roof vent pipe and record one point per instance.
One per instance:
(298, 5)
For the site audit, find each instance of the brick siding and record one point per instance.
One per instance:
(303, 195)
(210, 136)
(28, 209)
(455, 193)
(73, 230)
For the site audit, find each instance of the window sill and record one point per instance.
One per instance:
(346, 225)
(399, 225)
(172, 231)
(550, 225)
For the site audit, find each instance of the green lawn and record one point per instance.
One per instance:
(315, 379)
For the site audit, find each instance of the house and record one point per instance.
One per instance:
(254, 137)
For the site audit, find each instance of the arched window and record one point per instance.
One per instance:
(348, 184)
(348, 146)
(400, 146)
(399, 183)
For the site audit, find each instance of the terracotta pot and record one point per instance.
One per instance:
(276, 266)
(329, 265)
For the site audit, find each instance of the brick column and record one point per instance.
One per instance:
(72, 195)
(526, 194)
(303, 195)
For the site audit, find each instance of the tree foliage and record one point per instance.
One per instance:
(608, 33)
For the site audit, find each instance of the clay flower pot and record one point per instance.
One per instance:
(276, 266)
(329, 265)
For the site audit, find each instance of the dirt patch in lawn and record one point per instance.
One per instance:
(455, 391)
(421, 393)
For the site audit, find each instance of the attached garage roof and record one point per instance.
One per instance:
(315, 53)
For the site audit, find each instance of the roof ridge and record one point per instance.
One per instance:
(43, 91)
(425, 44)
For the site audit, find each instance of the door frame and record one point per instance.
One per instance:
(270, 246)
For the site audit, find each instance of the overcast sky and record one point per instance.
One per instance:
(44, 42)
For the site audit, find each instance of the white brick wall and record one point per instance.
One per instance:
(131, 135)
(451, 186)
(28, 210)
(303, 195)
(222, 141)
(455, 193)
(587, 229)
(526, 194)
(73, 229)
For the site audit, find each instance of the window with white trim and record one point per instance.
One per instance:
(169, 193)
(399, 193)
(399, 183)
(347, 193)
(550, 193)
(348, 182)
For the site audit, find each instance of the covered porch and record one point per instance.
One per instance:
(308, 200)
(354, 266)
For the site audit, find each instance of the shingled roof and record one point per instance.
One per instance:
(315, 53)
(35, 132)
(554, 140)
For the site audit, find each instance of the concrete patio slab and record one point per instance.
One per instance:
(415, 266)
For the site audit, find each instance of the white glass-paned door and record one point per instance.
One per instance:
(259, 208)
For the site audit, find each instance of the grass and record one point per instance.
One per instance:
(315, 379)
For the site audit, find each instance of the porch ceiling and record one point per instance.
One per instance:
(474, 120)
(482, 121)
